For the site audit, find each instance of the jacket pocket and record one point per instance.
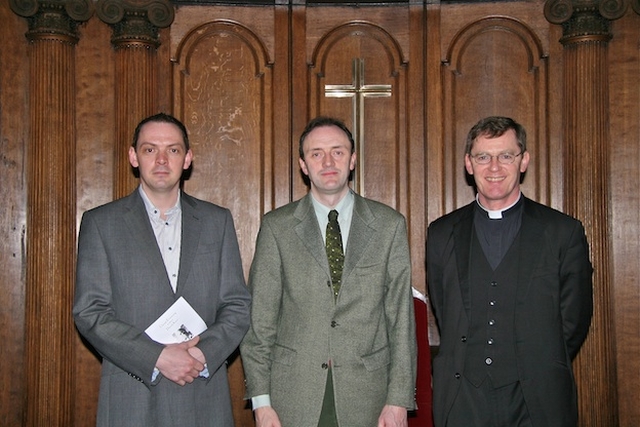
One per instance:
(376, 360)
(283, 355)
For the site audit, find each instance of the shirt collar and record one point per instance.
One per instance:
(153, 211)
(497, 214)
(343, 206)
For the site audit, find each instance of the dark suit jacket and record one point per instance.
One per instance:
(122, 287)
(553, 308)
(296, 327)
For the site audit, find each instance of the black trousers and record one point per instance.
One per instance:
(486, 406)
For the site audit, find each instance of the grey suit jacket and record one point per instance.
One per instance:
(122, 287)
(296, 327)
(553, 308)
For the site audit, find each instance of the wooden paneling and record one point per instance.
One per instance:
(494, 66)
(624, 198)
(96, 141)
(14, 131)
(246, 79)
(223, 93)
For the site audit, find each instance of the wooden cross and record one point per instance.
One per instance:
(358, 91)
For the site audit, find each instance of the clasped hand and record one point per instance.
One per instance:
(181, 363)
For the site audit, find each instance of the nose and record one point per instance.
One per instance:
(328, 160)
(161, 158)
(494, 164)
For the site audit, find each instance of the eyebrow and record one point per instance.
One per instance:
(173, 144)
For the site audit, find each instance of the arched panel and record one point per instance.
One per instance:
(495, 66)
(358, 74)
(222, 90)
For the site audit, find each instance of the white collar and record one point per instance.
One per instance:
(497, 214)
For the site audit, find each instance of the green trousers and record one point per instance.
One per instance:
(328, 415)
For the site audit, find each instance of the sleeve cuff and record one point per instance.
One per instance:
(260, 401)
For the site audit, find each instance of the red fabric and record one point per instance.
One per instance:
(423, 416)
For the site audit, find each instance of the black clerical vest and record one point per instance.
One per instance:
(492, 296)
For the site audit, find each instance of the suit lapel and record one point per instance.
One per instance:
(308, 231)
(190, 239)
(531, 246)
(361, 232)
(141, 234)
(462, 235)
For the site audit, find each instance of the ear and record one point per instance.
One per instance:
(133, 157)
(303, 166)
(188, 159)
(352, 162)
(467, 164)
(524, 164)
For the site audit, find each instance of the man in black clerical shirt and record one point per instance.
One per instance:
(510, 284)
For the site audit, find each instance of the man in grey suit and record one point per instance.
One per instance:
(327, 348)
(510, 284)
(136, 257)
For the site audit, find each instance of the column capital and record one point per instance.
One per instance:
(135, 22)
(584, 20)
(53, 19)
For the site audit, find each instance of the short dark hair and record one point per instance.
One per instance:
(322, 121)
(493, 127)
(161, 118)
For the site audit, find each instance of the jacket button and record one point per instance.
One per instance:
(463, 338)
(334, 323)
(488, 361)
(325, 366)
(457, 376)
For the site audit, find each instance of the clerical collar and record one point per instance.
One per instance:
(497, 214)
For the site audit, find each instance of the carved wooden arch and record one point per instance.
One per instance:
(258, 63)
(362, 29)
(223, 91)
(223, 28)
(462, 39)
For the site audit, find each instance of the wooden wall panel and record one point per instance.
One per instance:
(96, 130)
(624, 95)
(335, 36)
(14, 132)
(420, 161)
(494, 66)
(222, 83)
(381, 144)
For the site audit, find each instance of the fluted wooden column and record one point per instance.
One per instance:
(51, 208)
(135, 27)
(586, 185)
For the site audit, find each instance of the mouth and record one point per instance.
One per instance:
(495, 178)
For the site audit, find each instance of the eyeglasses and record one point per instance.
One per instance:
(485, 158)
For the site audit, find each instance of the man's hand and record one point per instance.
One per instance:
(393, 416)
(198, 354)
(177, 364)
(266, 417)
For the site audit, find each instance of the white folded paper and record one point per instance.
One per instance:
(179, 323)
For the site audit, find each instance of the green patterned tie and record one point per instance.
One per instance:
(335, 253)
